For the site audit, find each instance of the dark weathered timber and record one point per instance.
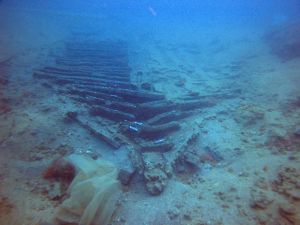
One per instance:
(95, 65)
(120, 106)
(92, 101)
(97, 57)
(66, 70)
(105, 96)
(40, 75)
(100, 84)
(83, 74)
(46, 74)
(59, 69)
(91, 83)
(159, 147)
(151, 109)
(225, 95)
(168, 117)
(61, 80)
(88, 82)
(117, 72)
(123, 106)
(125, 79)
(131, 96)
(99, 46)
(110, 141)
(111, 114)
(154, 132)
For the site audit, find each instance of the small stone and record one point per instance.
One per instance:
(262, 183)
(70, 116)
(156, 181)
(173, 214)
(293, 158)
(126, 174)
(136, 161)
(297, 132)
(55, 192)
(187, 216)
(260, 201)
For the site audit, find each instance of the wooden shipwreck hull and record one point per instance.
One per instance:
(97, 74)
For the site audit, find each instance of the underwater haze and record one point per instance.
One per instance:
(149, 112)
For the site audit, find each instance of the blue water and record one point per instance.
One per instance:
(170, 15)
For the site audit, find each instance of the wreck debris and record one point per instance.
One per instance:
(73, 117)
(161, 145)
(150, 132)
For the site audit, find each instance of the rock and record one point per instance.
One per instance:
(156, 180)
(126, 173)
(136, 161)
(154, 173)
(187, 216)
(188, 161)
(173, 214)
(249, 115)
